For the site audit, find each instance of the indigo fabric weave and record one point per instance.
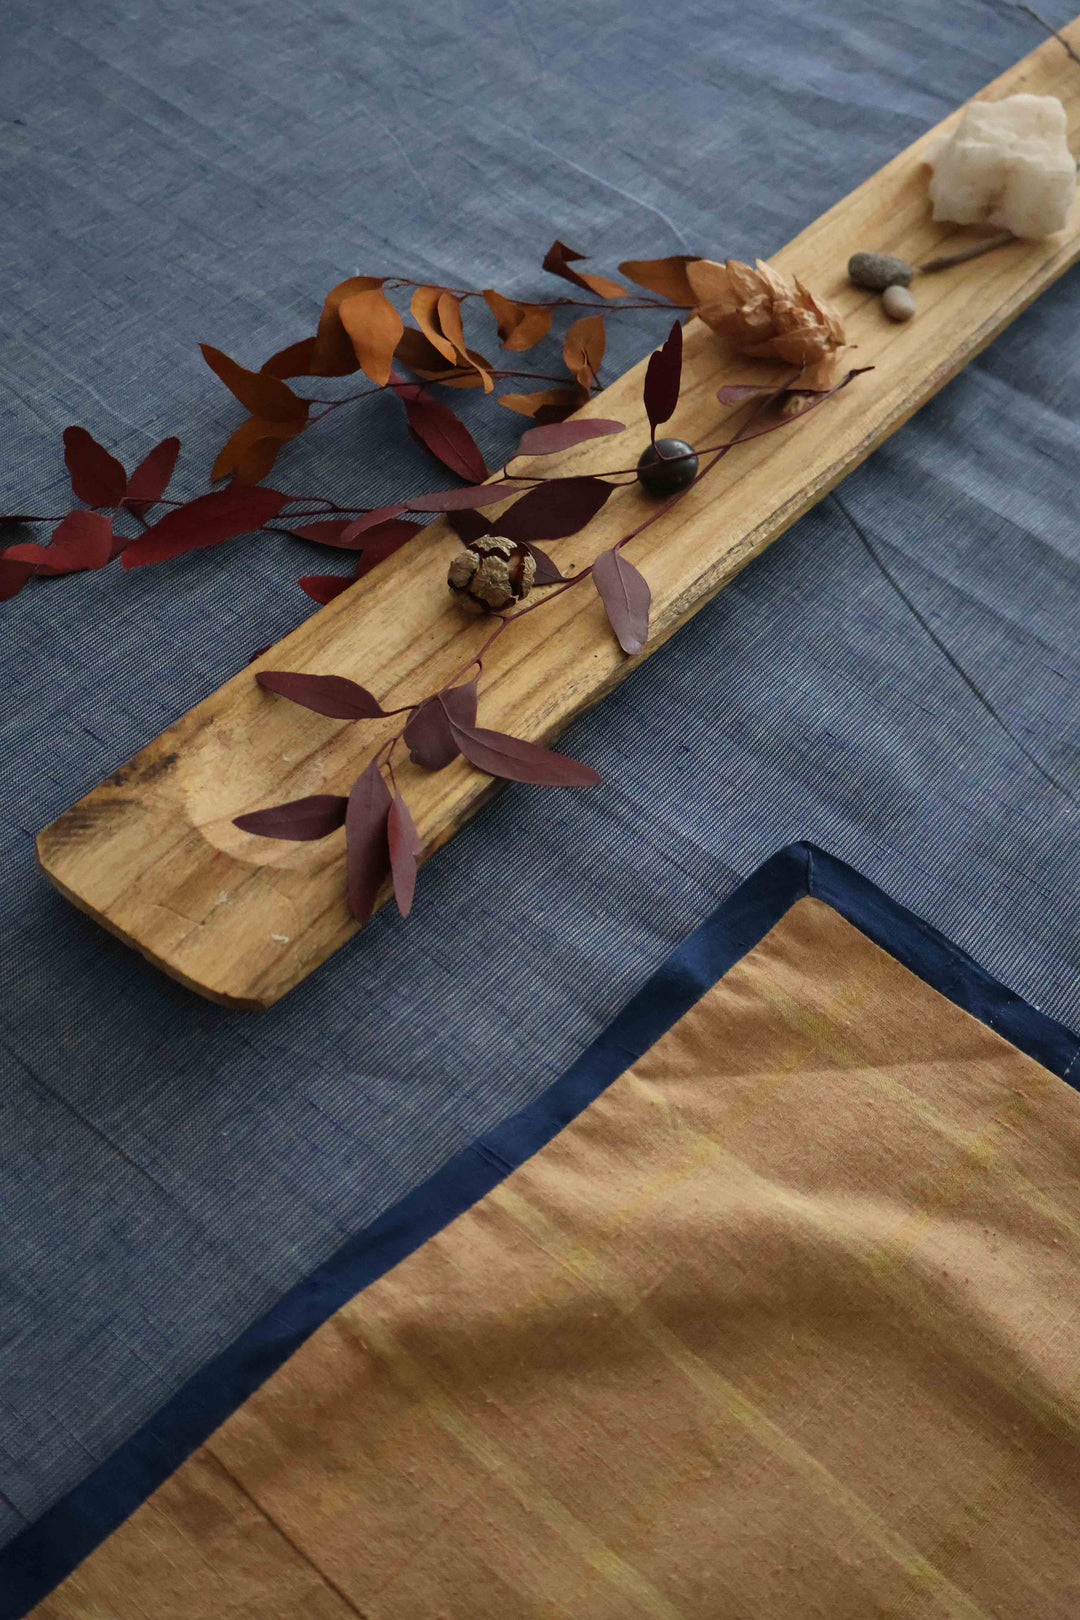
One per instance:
(895, 680)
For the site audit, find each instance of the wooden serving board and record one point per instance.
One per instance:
(152, 853)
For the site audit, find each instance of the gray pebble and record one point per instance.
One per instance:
(879, 270)
(898, 303)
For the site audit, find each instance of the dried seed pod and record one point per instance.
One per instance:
(492, 573)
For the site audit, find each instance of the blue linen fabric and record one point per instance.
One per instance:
(895, 680)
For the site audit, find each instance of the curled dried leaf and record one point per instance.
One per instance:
(258, 391)
(375, 328)
(664, 276)
(548, 404)
(559, 258)
(520, 325)
(333, 353)
(583, 349)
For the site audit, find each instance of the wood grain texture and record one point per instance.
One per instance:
(152, 853)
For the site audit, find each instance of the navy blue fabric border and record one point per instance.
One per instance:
(38, 1559)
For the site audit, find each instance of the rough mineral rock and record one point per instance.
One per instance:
(1007, 164)
(492, 573)
(898, 303)
(879, 270)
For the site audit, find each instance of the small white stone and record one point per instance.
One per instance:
(282, 939)
(898, 303)
(1006, 164)
(223, 895)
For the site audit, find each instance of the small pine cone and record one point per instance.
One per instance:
(492, 573)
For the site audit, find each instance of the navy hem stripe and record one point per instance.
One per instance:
(47, 1551)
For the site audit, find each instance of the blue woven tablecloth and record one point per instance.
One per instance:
(895, 680)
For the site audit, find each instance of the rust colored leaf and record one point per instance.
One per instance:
(80, 541)
(450, 500)
(663, 379)
(323, 588)
(558, 260)
(250, 452)
(205, 521)
(13, 576)
(664, 276)
(382, 541)
(366, 842)
(547, 405)
(333, 354)
(259, 392)
(520, 325)
(520, 761)
(425, 312)
(553, 510)
(415, 351)
(299, 819)
(449, 308)
(556, 436)
(332, 695)
(96, 477)
(405, 845)
(583, 349)
(374, 327)
(151, 477)
(428, 736)
(626, 597)
(293, 361)
(440, 431)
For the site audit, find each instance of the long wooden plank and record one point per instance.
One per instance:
(152, 853)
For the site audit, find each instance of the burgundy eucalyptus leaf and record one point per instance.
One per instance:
(332, 695)
(468, 525)
(368, 520)
(555, 509)
(13, 576)
(443, 433)
(384, 539)
(428, 736)
(739, 393)
(518, 761)
(81, 540)
(556, 436)
(663, 379)
(96, 477)
(458, 500)
(328, 532)
(150, 479)
(323, 588)
(547, 569)
(405, 845)
(300, 819)
(626, 597)
(205, 521)
(366, 841)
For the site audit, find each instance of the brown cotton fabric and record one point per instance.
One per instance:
(784, 1325)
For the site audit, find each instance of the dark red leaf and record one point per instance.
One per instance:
(331, 695)
(547, 569)
(300, 819)
(558, 260)
(468, 525)
(440, 431)
(739, 393)
(13, 576)
(405, 845)
(381, 541)
(322, 588)
(367, 846)
(368, 520)
(96, 477)
(547, 441)
(259, 652)
(626, 597)
(520, 761)
(456, 500)
(427, 735)
(81, 540)
(328, 533)
(294, 361)
(663, 378)
(205, 521)
(151, 477)
(555, 509)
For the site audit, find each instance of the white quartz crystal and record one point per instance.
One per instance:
(1006, 164)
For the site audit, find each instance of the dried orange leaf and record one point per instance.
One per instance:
(558, 259)
(333, 354)
(664, 276)
(583, 349)
(262, 394)
(374, 327)
(425, 312)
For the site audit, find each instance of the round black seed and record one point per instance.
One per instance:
(661, 475)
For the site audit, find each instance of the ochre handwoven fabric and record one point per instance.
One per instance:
(783, 1325)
